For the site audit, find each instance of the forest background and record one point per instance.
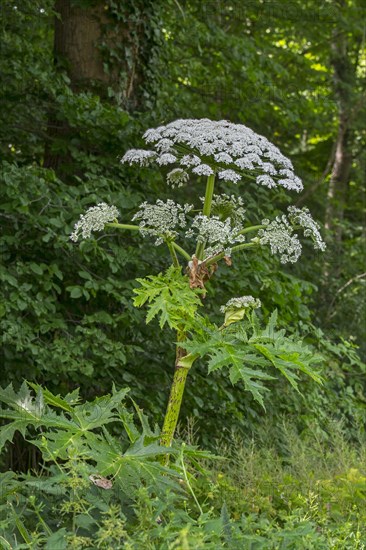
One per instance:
(81, 81)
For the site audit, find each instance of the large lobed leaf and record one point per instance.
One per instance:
(169, 297)
(251, 353)
(61, 428)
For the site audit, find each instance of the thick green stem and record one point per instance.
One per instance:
(243, 245)
(206, 211)
(123, 226)
(175, 397)
(173, 254)
(181, 251)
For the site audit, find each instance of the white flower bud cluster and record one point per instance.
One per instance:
(225, 206)
(229, 150)
(218, 235)
(244, 302)
(279, 235)
(165, 159)
(94, 219)
(162, 219)
(177, 177)
(302, 217)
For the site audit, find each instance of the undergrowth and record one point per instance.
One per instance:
(314, 480)
(106, 487)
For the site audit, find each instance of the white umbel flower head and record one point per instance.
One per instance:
(94, 219)
(229, 175)
(177, 177)
(139, 156)
(206, 147)
(203, 170)
(162, 219)
(218, 236)
(266, 181)
(279, 235)
(240, 303)
(166, 158)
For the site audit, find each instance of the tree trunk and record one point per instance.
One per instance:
(78, 33)
(343, 79)
(337, 189)
(104, 47)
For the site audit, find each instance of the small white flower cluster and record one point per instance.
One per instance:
(279, 235)
(302, 217)
(177, 177)
(139, 156)
(94, 219)
(162, 219)
(225, 206)
(219, 235)
(244, 302)
(230, 150)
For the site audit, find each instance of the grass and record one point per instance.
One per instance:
(318, 478)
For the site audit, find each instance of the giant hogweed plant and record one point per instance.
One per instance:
(199, 237)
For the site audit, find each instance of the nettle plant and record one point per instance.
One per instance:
(198, 238)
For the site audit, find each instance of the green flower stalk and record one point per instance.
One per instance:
(206, 211)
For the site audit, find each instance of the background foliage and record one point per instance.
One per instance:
(66, 313)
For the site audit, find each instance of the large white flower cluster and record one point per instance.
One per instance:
(217, 236)
(162, 218)
(94, 219)
(205, 147)
(279, 235)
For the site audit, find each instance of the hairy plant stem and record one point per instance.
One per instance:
(175, 397)
(251, 228)
(206, 211)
